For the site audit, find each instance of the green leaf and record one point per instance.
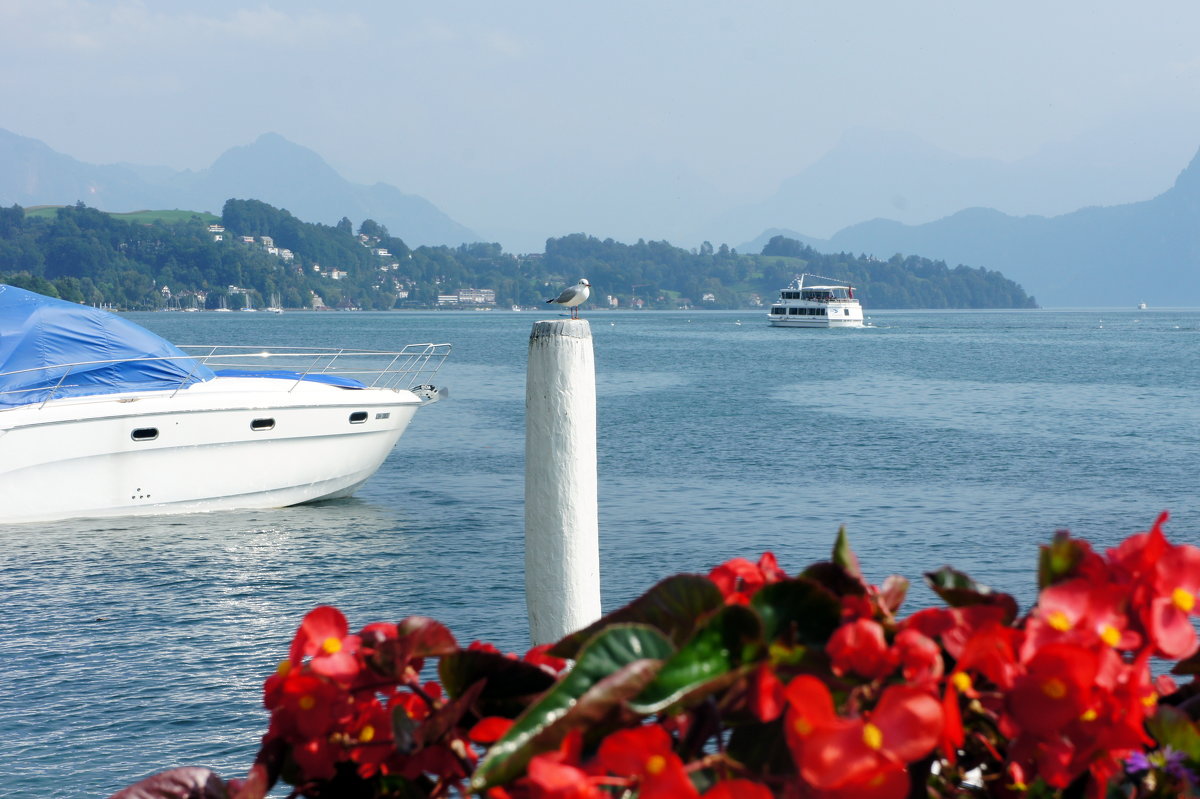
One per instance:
(189, 781)
(446, 718)
(844, 556)
(673, 606)
(958, 590)
(404, 731)
(762, 748)
(610, 663)
(801, 611)
(892, 592)
(429, 638)
(1058, 560)
(834, 579)
(417, 637)
(1170, 726)
(511, 684)
(1189, 665)
(708, 662)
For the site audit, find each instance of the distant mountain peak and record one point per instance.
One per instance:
(271, 169)
(271, 137)
(1189, 179)
(269, 152)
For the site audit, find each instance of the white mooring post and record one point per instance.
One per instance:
(562, 537)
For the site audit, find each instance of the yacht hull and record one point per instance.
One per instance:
(229, 443)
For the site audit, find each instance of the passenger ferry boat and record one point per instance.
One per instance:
(830, 304)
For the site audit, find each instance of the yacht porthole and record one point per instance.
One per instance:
(144, 434)
(262, 424)
(358, 417)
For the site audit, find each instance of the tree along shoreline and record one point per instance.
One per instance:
(258, 255)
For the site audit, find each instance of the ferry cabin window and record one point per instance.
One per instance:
(777, 310)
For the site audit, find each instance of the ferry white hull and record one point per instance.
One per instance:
(228, 443)
(814, 321)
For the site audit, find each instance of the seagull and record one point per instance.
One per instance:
(575, 295)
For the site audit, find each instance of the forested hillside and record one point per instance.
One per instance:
(259, 253)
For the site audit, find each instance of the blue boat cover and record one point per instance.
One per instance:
(39, 335)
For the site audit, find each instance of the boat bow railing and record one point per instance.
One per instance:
(414, 368)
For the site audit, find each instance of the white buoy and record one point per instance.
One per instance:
(562, 538)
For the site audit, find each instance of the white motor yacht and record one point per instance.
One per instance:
(101, 417)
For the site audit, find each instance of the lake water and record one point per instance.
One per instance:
(965, 438)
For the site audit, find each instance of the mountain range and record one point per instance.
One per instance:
(271, 169)
(1116, 255)
(1098, 255)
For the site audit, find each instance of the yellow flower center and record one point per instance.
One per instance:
(366, 734)
(872, 736)
(1089, 715)
(307, 702)
(1184, 600)
(962, 681)
(1059, 621)
(283, 668)
(332, 645)
(1150, 700)
(802, 726)
(655, 765)
(1054, 688)
(1110, 635)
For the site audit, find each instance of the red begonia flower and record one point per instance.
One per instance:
(417, 707)
(489, 730)
(920, 658)
(860, 647)
(859, 755)
(739, 579)
(550, 779)
(371, 741)
(323, 637)
(315, 757)
(953, 734)
(766, 693)
(953, 627)
(1055, 690)
(646, 753)
(991, 652)
(1082, 611)
(1176, 584)
(308, 705)
(482, 646)
(770, 568)
(540, 656)
(890, 783)
(810, 707)
(1137, 555)
(738, 789)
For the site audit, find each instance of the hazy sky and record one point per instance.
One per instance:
(564, 117)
